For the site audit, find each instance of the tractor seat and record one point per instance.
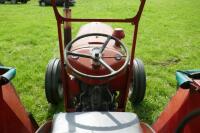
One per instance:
(96, 122)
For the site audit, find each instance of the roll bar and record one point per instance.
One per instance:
(60, 20)
(134, 20)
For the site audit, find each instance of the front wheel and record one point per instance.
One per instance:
(53, 84)
(138, 83)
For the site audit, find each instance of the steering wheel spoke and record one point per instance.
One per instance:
(121, 56)
(79, 55)
(105, 44)
(106, 65)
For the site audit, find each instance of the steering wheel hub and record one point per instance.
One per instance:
(96, 53)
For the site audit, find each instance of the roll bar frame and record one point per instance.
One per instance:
(133, 20)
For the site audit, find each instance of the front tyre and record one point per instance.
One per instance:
(138, 83)
(53, 84)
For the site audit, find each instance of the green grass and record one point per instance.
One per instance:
(168, 39)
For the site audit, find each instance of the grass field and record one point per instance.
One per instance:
(168, 39)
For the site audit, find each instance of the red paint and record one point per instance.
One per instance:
(73, 87)
(184, 102)
(118, 33)
(13, 117)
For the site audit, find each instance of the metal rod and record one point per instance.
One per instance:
(127, 20)
(124, 96)
(67, 27)
(63, 72)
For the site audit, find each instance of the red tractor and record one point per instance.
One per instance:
(95, 71)
(96, 76)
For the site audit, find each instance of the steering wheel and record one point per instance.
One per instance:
(96, 55)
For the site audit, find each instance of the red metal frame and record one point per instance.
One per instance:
(134, 20)
(13, 116)
(184, 102)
